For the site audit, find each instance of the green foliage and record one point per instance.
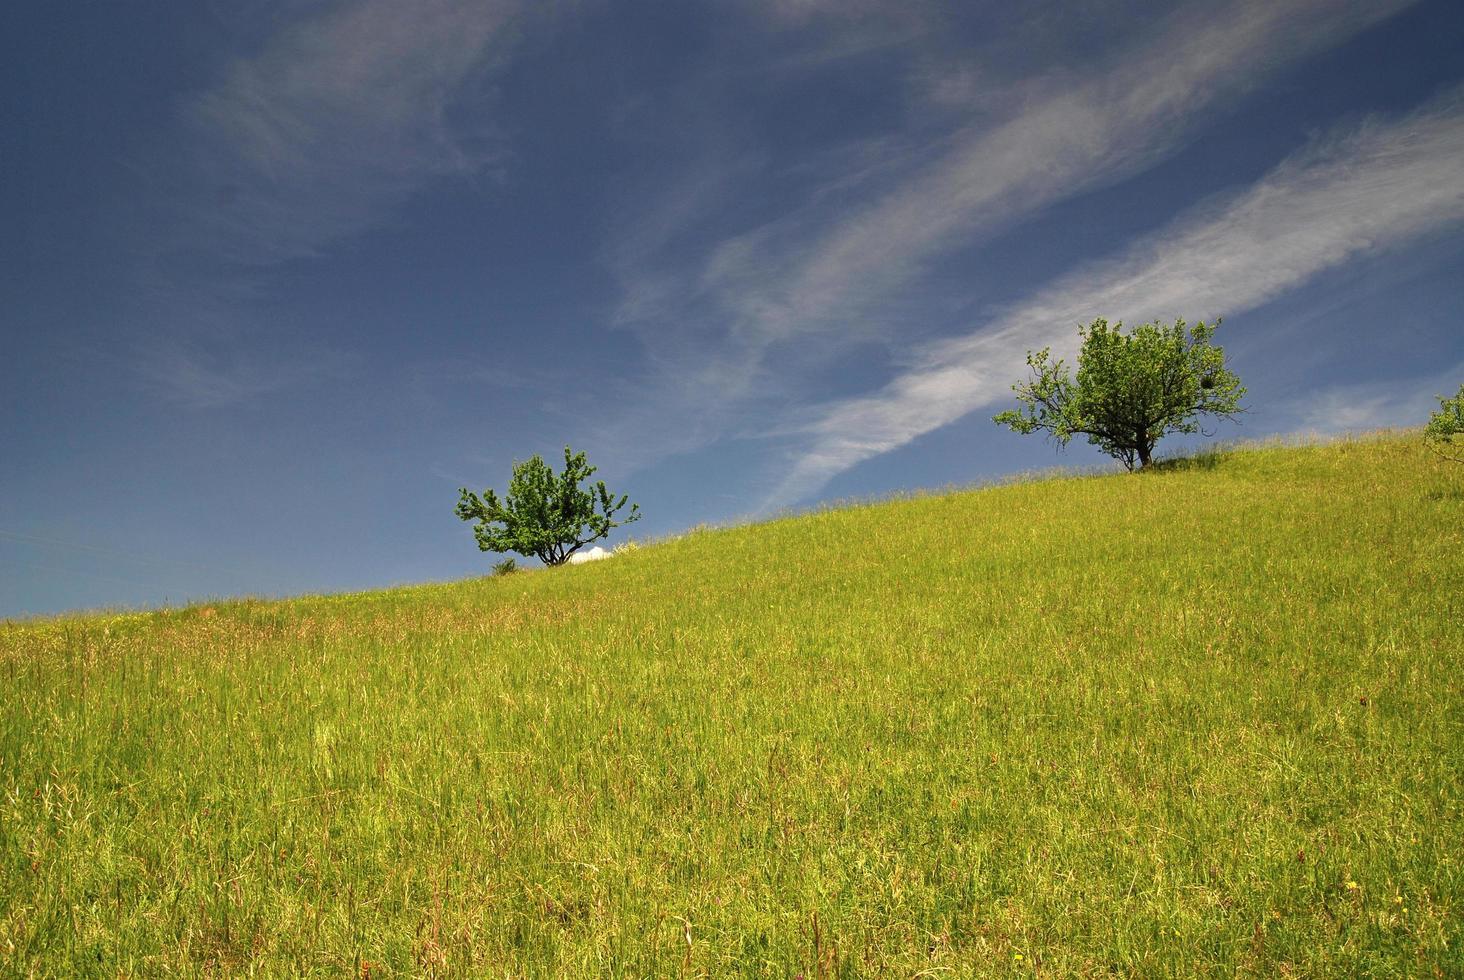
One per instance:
(506, 567)
(1132, 388)
(849, 744)
(1444, 434)
(544, 515)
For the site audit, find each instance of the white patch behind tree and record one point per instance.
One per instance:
(594, 554)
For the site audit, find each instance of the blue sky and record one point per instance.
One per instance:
(280, 276)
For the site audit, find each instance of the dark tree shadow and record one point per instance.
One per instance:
(1206, 460)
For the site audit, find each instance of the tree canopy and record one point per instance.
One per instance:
(1444, 433)
(545, 515)
(1132, 388)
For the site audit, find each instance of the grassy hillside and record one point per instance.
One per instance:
(1206, 719)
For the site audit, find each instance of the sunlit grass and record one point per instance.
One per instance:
(1202, 720)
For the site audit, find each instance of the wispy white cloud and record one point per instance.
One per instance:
(1385, 184)
(1372, 404)
(204, 376)
(333, 122)
(860, 22)
(838, 268)
(338, 115)
(1083, 134)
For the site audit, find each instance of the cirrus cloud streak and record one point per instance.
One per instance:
(1384, 185)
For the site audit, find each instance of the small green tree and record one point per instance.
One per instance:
(1445, 427)
(544, 515)
(1132, 389)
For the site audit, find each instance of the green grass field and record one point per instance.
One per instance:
(1205, 720)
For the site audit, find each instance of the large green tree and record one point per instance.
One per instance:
(1132, 388)
(1444, 433)
(545, 515)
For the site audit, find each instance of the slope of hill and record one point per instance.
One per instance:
(1205, 719)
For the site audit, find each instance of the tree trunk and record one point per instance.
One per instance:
(1144, 451)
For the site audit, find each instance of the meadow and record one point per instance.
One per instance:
(1201, 720)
